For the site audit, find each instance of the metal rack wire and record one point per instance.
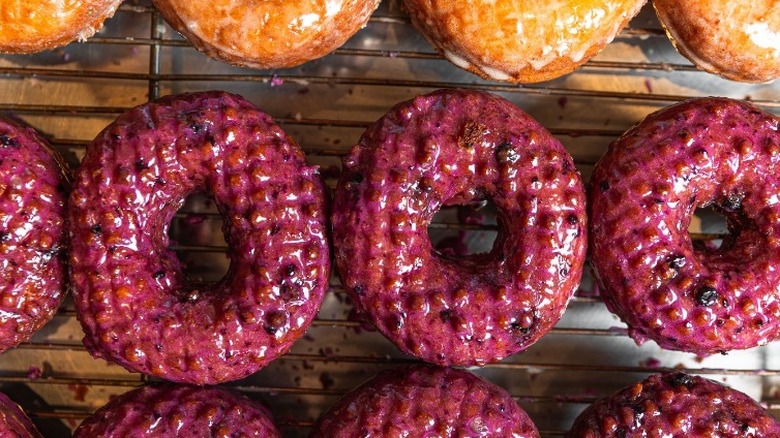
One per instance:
(71, 93)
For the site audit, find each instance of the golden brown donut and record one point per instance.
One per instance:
(266, 33)
(736, 39)
(29, 26)
(520, 40)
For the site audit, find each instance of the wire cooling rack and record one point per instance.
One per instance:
(70, 94)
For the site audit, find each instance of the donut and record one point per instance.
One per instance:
(33, 238)
(267, 33)
(675, 405)
(130, 293)
(14, 422)
(454, 147)
(706, 152)
(516, 41)
(34, 26)
(739, 40)
(425, 401)
(169, 410)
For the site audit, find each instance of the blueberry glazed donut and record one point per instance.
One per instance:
(169, 410)
(14, 422)
(425, 401)
(446, 148)
(704, 152)
(131, 296)
(33, 238)
(675, 405)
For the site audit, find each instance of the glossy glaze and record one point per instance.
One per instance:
(447, 148)
(135, 305)
(521, 40)
(28, 26)
(675, 405)
(704, 152)
(739, 40)
(33, 241)
(162, 411)
(13, 421)
(267, 33)
(425, 401)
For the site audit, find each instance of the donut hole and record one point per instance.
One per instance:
(195, 233)
(465, 230)
(708, 229)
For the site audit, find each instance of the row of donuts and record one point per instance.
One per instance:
(507, 41)
(448, 147)
(425, 401)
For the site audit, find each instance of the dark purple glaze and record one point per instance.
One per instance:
(13, 421)
(704, 152)
(180, 411)
(454, 147)
(33, 192)
(131, 296)
(425, 401)
(675, 405)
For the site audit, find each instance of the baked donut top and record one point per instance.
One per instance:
(267, 33)
(739, 40)
(521, 40)
(32, 26)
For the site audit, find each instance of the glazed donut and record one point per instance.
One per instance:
(446, 148)
(34, 26)
(425, 401)
(177, 411)
(130, 293)
(33, 192)
(675, 405)
(14, 422)
(739, 40)
(267, 33)
(516, 41)
(704, 152)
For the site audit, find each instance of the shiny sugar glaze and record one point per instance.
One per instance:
(267, 33)
(135, 304)
(170, 410)
(13, 421)
(425, 401)
(704, 152)
(453, 147)
(739, 40)
(521, 40)
(33, 241)
(675, 405)
(33, 26)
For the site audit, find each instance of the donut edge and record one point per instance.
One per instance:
(91, 22)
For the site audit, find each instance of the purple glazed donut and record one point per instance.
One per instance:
(131, 295)
(33, 186)
(675, 405)
(181, 411)
(704, 152)
(445, 148)
(13, 421)
(425, 401)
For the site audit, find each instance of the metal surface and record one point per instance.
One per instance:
(72, 93)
